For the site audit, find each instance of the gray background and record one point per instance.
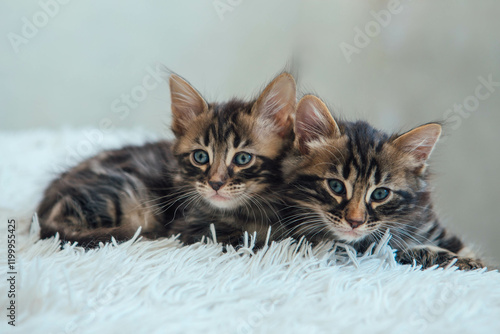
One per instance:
(425, 58)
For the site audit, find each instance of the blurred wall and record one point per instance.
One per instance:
(395, 63)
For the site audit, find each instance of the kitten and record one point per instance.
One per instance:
(222, 168)
(351, 182)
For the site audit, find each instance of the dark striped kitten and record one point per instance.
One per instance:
(351, 182)
(222, 168)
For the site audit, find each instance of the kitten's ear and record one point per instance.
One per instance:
(420, 141)
(277, 103)
(187, 103)
(313, 121)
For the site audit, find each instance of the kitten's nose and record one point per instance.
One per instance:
(355, 216)
(216, 185)
(355, 222)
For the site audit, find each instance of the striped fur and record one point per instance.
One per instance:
(161, 186)
(364, 159)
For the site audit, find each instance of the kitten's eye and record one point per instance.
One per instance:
(242, 158)
(337, 186)
(380, 194)
(200, 156)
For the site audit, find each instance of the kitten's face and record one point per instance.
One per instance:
(355, 182)
(227, 158)
(231, 153)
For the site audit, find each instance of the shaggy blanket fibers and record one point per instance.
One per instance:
(162, 287)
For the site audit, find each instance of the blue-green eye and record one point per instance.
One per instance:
(380, 194)
(242, 158)
(200, 157)
(337, 186)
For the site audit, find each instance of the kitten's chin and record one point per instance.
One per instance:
(223, 202)
(350, 235)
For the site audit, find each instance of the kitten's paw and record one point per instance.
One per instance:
(428, 257)
(468, 263)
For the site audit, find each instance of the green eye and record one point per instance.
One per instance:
(242, 158)
(380, 194)
(200, 156)
(337, 186)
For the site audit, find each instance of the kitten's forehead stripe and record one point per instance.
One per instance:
(346, 170)
(361, 153)
(236, 140)
(206, 138)
(226, 133)
(387, 177)
(212, 133)
(375, 170)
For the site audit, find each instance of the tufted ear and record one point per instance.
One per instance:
(277, 103)
(186, 103)
(419, 142)
(313, 121)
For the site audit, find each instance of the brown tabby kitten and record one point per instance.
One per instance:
(351, 182)
(222, 168)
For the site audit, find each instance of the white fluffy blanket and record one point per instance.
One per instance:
(163, 287)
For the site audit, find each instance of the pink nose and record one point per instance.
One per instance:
(355, 222)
